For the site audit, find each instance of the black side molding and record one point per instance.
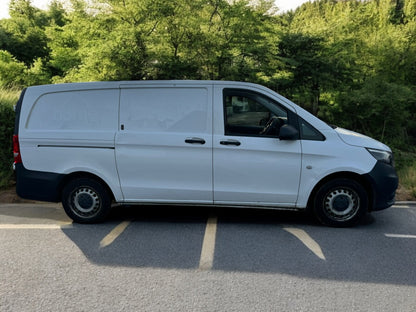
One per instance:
(17, 111)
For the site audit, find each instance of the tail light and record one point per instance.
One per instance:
(16, 150)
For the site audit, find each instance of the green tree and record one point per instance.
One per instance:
(312, 66)
(22, 8)
(12, 72)
(379, 109)
(23, 33)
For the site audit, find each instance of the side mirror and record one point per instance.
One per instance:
(288, 132)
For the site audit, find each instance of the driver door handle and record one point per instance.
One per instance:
(230, 142)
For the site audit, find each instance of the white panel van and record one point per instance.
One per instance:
(216, 143)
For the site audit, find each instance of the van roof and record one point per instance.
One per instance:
(117, 84)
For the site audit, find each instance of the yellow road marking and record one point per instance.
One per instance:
(400, 235)
(116, 232)
(208, 246)
(307, 241)
(33, 226)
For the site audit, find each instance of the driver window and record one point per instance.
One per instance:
(252, 114)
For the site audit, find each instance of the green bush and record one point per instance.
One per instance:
(12, 72)
(7, 99)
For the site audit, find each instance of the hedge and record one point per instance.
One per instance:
(7, 100)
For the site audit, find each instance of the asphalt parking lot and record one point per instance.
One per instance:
(152, 258)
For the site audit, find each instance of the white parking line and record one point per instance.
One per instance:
(307, 241)
(400, 235)
(116, 232)
(34, 226)
(401, 207)
(208, 245)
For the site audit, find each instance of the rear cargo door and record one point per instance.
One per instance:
(164, 143)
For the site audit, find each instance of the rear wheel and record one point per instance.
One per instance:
(86, 200)
(340, 202)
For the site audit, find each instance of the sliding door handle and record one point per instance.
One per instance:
(230, 142)
(195, 141)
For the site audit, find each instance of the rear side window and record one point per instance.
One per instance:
(165, 109)
(75, 110)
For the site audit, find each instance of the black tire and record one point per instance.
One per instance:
(340, 203)
(86, 200)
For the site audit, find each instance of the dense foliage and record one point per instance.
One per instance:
(7, 99)
(350, 62)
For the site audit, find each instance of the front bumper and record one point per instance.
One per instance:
(384, 182)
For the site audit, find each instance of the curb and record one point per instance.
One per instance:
(405, 203)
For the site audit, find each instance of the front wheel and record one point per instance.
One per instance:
(340, 203)
(86, 200)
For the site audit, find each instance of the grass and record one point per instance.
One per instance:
(407, 178)
(406, 170)
(9, 96)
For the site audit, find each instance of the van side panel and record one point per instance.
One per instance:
(164, 146)
(65, 130)
(323, 158)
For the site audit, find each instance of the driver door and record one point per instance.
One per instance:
(252, 166)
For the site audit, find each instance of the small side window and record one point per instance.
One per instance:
(307, 132)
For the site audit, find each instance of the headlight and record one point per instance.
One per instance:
(384, 156)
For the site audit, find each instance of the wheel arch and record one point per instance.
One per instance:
(344, 175)
(83, 174)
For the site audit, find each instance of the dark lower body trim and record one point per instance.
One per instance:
(38, 185)
(384, 181)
